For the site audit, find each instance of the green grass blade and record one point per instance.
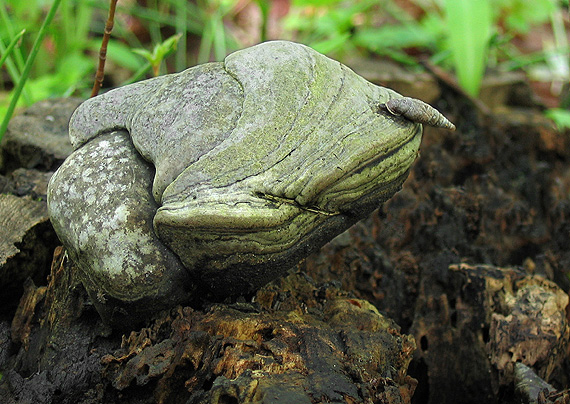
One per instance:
(13, 65)
(469, 24)
(11, 47)
(139, 74)
(28, 67)
(11, 32)
(560, 116)
(206, 42)
(220, 50)
(181, 27)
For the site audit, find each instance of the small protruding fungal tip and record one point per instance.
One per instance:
(417, 111)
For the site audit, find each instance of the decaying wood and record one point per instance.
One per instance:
(531, 389)
(26, 242)
(26, 182)
(53, 332)
(37, 138)
(300, 353)
(17, 216)
(529, 386)
(494, 194)
(527, 324)
(297, 341)
(21, 323)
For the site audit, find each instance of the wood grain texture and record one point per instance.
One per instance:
(17, 217)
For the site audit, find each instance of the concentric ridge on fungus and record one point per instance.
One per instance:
(222, 176)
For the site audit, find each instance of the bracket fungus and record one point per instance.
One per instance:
(220, 178)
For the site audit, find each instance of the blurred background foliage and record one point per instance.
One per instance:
(151, 37)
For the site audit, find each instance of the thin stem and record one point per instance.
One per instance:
(139, 74)
(181, 27)
(11, 46)
(11, 32)
(103, 52)
(154, 26)
(264, 8)
(206, 42)
(28, 66)
(15, 64)
(219, 36)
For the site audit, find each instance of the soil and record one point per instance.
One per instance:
(471, 260)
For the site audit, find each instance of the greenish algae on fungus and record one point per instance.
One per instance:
(218, 179)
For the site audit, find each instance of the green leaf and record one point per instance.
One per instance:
(393, 36)
(145, 54)
(332, 44)
(159, 52)
(561, 117)
(469, 25)
(167, 47)
(521, 15)
(73, 71)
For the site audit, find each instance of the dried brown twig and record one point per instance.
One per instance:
(445, 77)
(103, 51)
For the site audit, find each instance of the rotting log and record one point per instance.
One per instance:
(296, 341)
(38, 138)
(26, 243)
